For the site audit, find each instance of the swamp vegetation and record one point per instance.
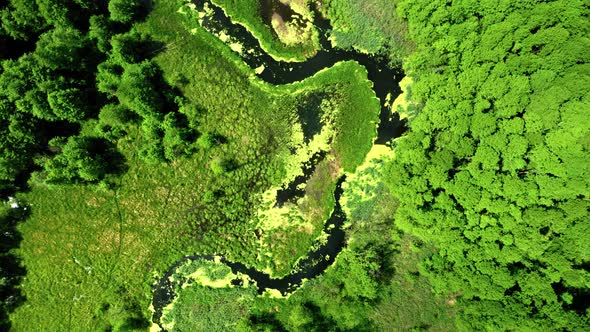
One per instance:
(261, 165)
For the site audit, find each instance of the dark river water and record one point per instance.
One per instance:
(384, 77)
(385, 81)
(311, 266)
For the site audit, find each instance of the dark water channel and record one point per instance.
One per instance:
(293, 192)
(311, 266)
(385, 81)
(384, 77)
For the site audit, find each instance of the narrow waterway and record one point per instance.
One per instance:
(293, 192)
(385, 82)
(311, 266)
(384, 77)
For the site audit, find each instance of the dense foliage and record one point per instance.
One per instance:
(56, 87)
(495, 168)
(370, 26)
(11, 270)
(51, 96)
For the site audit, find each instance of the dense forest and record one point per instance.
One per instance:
(132, 138)
(495, 168)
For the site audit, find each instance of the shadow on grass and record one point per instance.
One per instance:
(11, 270)
(266, 322)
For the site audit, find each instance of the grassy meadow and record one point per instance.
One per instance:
(93, 253)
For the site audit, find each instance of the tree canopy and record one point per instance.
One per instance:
(82, 159)
(58, 87)
(495, 167)
(485, 200)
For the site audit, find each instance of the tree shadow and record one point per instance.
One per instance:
(117, 164)
(320, 323)
(266, 322)
(11, 269)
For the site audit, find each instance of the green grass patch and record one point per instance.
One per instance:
(369, 26)
(407, 301)
(357, 113)
(201, 308)
(206, 300)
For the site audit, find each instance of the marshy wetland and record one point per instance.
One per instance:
(275, 72)
(244, 165)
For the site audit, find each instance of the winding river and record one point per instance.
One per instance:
(385, 82)
(384, 77)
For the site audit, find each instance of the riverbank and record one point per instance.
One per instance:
(257, 17)
(325, 254)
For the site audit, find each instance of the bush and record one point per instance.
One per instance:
(125, 11)
(82, 160)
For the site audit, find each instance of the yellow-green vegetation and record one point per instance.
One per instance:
(93, 252)
(287, 39)
(207, 13)
(349, 103)
(299, 29)
(360, 186)
(356, 107)
(212, 274)
(374, 284)
(403, 104)
(207, 300)
(288, 231)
